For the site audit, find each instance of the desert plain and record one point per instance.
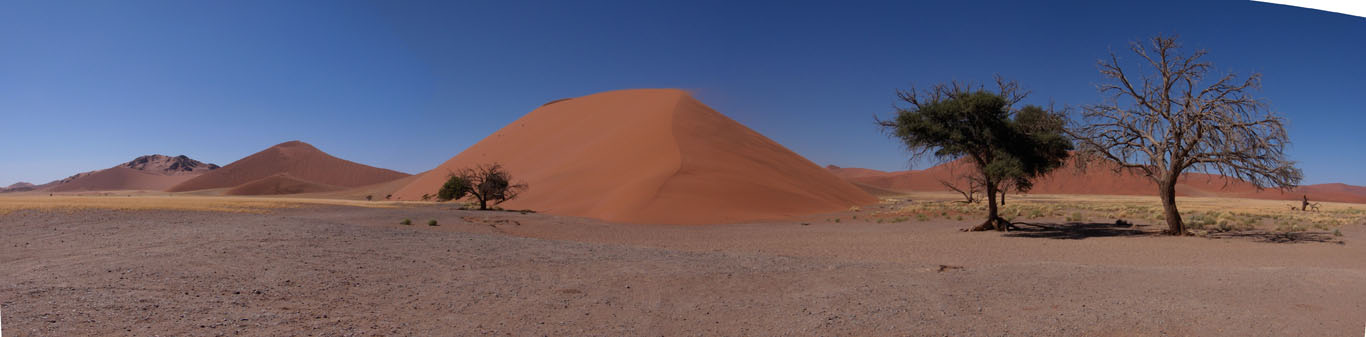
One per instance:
(143, 264)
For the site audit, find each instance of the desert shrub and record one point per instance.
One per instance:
(369, 197)
(1337, 232)
(431, 222)
(1075, 217)
(921, 217)
(837, 220)
(1036, 213)
(960, 218)
(426, 197)
(406, 222)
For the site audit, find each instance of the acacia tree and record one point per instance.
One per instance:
(1161, 121)
(485, 182)
(1008, 148)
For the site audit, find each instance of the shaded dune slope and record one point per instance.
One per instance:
(648, 156)
(280, 184)
(292, 163)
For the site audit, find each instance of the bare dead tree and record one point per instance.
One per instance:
(1162, 121)
(969, 194)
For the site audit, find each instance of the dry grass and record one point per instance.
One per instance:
(1200, 213)
(184, 203)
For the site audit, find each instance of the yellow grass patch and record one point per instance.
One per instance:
(1199, 213)
(10, 204)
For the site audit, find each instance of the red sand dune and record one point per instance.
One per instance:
(151, 173)
(120, 178)
(280, 184)
(303, 163)
(1099, 178)
(648, 156)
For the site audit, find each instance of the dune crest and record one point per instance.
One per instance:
(648, 156)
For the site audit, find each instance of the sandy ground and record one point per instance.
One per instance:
(321, 270)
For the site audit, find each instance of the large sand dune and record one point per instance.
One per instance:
(1098, 178)
(295, 166)
(648, 156)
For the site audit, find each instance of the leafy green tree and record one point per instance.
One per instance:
(456, 187)
(1008, 148)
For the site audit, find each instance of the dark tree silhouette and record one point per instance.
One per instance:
(1008, 147)
(1161, 121)
(486, 183)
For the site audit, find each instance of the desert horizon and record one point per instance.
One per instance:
(871, 168)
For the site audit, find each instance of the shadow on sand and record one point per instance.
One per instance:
(1278, 237)
(1077, 231)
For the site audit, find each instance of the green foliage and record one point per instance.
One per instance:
(406, 222)
(431, 222)
(456, 187)
(1007, 146)
(921, 217)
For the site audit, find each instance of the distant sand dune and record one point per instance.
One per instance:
(285, 167)
(1099, 178)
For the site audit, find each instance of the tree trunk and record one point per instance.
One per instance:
(483, 204)
(1167, 191)
(994, 220)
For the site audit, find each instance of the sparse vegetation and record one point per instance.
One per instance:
(431, 222)
(406, 222)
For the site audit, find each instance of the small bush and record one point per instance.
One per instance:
(1337, 232)
(406, 222)
(431, 222)
(837, 220)
(1075, 217)
(960, 218)
(921, 217)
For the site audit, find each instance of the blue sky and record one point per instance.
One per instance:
(406, 85)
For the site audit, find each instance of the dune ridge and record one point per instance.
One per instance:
(648, 156)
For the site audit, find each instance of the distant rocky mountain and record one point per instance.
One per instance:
(18, 187)
(177, 165)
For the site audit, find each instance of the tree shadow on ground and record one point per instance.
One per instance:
(1278, 237)
(1078, 231)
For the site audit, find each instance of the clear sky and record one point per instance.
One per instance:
(406, 85)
